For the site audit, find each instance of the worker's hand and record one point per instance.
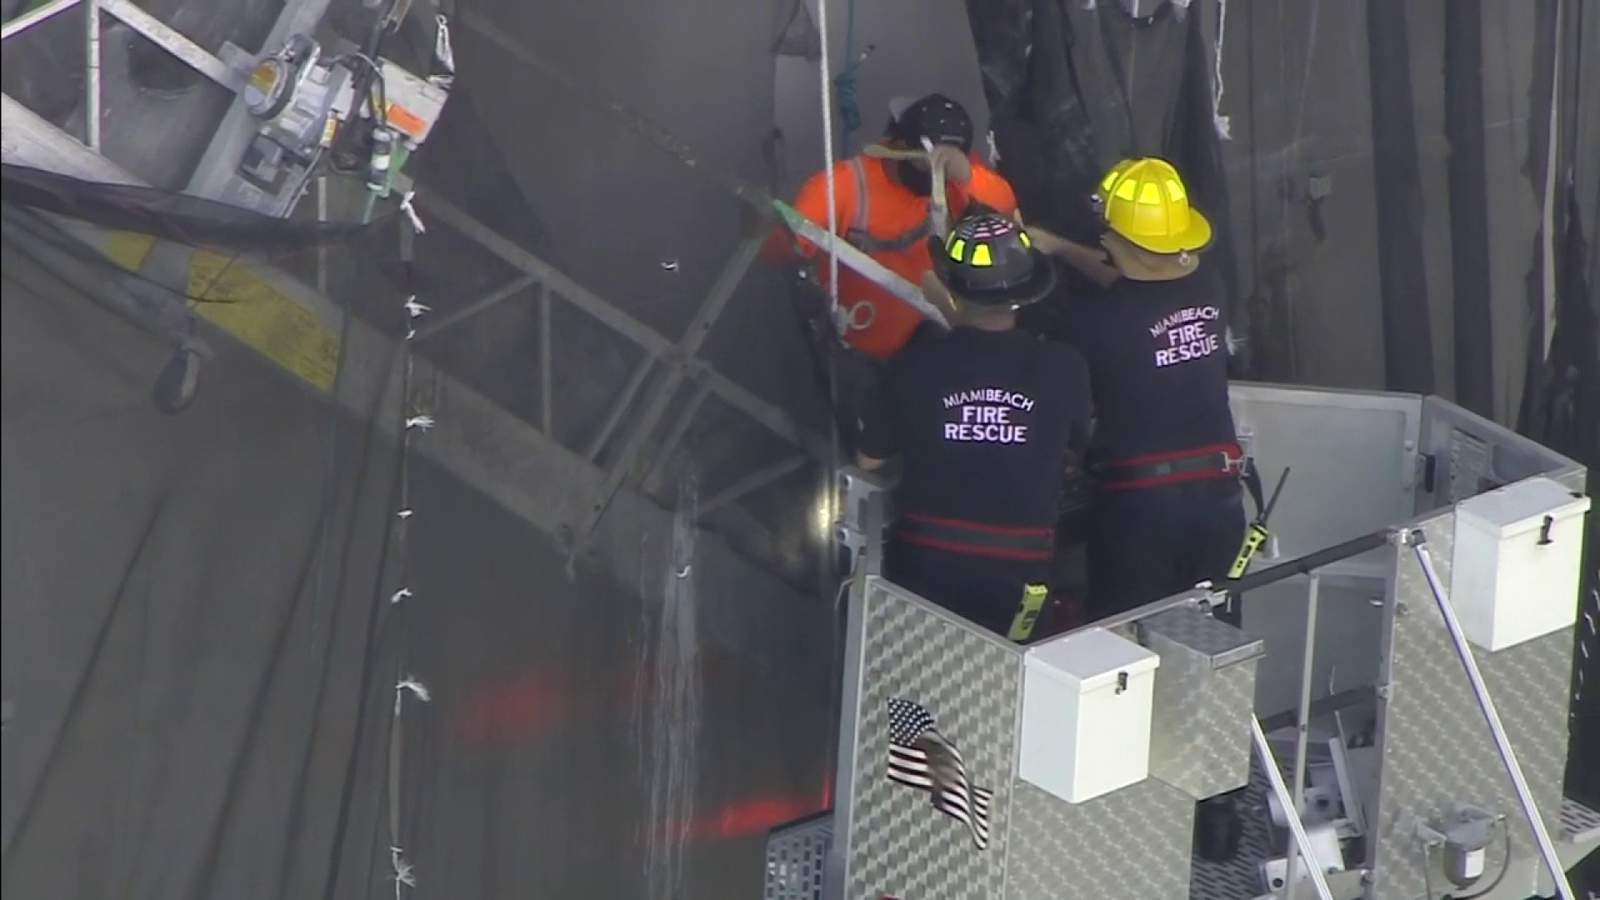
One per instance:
(1047, 242)
(957, 167)
(937, 294)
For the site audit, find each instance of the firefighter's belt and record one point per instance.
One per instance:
(977, 538)
(1159, 469)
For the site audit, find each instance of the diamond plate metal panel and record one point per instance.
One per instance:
(1221, 643)
(796, 859)
(1131, 844)
(1437, 749)
(1240, 877)
(971, 682)
(1204, 697)
(1200, 727)
(1579, 823)
(1200, 736)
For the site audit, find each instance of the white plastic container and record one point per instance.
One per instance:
(1086, 702)
(1516, 559)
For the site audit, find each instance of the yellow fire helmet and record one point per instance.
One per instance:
(1145, 201)
(1107, 182)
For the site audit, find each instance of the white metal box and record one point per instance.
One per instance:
(1516, 560)
(413, 103)
(1086, 700)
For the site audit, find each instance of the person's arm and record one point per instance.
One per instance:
(1094, 263)
(878, 440)
(1070, 376)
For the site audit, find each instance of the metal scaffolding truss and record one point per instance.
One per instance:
(665, 367)
(672, 363)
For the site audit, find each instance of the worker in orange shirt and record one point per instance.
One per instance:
(882, 206)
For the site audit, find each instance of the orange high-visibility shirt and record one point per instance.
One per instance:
(887, 220)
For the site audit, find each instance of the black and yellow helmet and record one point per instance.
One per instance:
(988, 260)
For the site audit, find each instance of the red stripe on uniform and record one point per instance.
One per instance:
(979, 526)
(1232, 451)
(1160, 480)
(975, 549)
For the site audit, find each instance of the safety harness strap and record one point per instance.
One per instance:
(976, 538)
(1212, 461)
(862, 238)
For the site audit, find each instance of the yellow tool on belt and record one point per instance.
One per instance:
(1256, 536)
(1033, 597)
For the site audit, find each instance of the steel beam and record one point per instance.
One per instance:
(163, 318)
(498, 295)
(437, 207)
(619, 407)
(680, 428)
(524, 472)
(682, 362)
(159, 33)
(546, 403)
(91, 81)
(26, 139)
(35, 16)
(752, 482)
(769, 415)
(722, 288)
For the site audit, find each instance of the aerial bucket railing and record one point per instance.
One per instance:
(1378, 713)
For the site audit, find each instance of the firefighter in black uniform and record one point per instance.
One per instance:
(983, 418)
(1168, 509)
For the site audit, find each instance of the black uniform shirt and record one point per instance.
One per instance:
(1158, 361)
(984, 420)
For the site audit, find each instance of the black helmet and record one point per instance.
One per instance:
(988, 260)
(936, 117)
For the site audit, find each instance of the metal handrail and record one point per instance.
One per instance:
(1291, 813)
(1303, 710)
(34, 16)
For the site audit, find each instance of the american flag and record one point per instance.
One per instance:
(923, 758)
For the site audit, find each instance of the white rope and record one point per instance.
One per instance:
(824, 77)
(413, 311)
(1222, 123)
(825, 81)
(415, 687)
(403, 871)
(442, 51)
(1548, 248)
(410, 209)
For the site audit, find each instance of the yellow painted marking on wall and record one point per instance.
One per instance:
(243, 304)
(128, 248)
